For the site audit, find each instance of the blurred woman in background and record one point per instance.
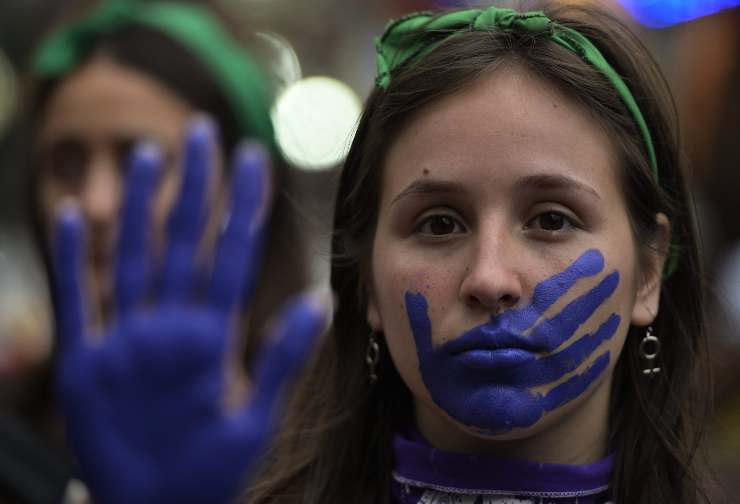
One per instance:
(114, 74)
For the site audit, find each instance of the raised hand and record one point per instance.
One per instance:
(144, 400)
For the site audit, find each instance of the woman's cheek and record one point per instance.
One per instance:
(402, 347)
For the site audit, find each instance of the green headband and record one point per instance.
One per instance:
(416, 35)
(195, 28)
(412, 37)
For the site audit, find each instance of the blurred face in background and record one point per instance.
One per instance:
(90, 123)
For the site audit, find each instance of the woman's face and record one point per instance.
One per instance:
(504, 270)
(91, 121)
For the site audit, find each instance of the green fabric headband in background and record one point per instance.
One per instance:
(414, 36)
(195, 28)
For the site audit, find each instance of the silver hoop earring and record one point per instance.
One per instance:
(372, 357)
(649, 350)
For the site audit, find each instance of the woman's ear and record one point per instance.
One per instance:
(373, 313)
(647, 300)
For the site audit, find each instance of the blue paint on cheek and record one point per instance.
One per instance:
(547, 292)
(553, 332)
(498, 399)
(552, 367)
(417, 310)
(575, 385)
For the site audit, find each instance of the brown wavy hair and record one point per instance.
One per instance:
(336, 442)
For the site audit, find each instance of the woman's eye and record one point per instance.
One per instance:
(67, 162)
(551, 221)
(440, 225)
(124, 149)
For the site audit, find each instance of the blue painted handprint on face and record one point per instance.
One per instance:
(484, 378)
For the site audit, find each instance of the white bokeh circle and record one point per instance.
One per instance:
(315, 119)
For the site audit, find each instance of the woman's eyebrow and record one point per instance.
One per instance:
(428, 186)
(554, 182)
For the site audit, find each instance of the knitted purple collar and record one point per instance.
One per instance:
(423, 474)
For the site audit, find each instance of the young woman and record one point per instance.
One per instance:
(111, 75)
(514, 249)
(118, 72)
(521, 308)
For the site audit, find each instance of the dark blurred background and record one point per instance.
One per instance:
(322, 51)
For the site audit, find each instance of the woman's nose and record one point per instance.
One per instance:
(101, 192)
(493, 279)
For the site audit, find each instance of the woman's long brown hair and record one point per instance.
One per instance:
(335, 444)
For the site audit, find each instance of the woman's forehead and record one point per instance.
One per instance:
(508, 124)
(103, 98)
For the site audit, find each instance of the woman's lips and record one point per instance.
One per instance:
(490, 348)
(494, 359)
(490, 337)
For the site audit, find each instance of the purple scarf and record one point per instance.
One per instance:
(425, 475)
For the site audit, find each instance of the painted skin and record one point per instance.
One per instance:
(483, 378)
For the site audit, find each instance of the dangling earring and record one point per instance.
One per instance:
(649, 349)
(372, 357)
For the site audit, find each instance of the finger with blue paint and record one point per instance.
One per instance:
(243, 230)
(485, 377)
(144, 401)
(133, 265)
(186, 220)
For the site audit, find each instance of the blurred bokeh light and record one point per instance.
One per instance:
(664, 13)
(315, 119)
